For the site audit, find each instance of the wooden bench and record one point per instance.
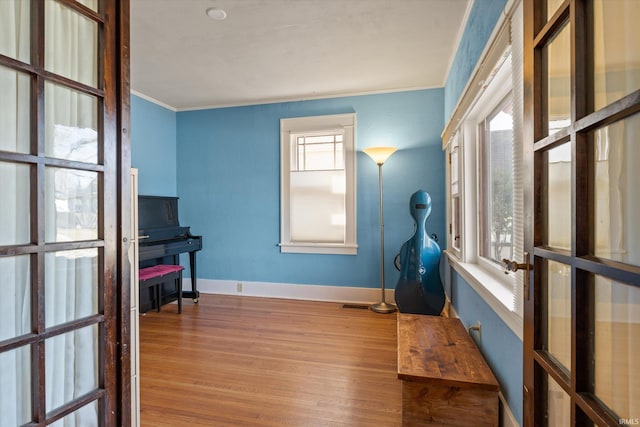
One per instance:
(445, 379)
(154, 277)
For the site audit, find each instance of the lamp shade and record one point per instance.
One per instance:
(380, 154)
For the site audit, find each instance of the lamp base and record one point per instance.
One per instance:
(383, 307)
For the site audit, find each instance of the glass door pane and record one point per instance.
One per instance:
(14, 20)
(71, 366)
(615, 154)
(558, 405)
(71, 200)
(616, 57)
(71, 44)
(557, 200)
(15, 305)
(558, 54)
(15, 189)
(15, 107)
(617, 346)
(558, 278)
(71, 124)
(15, 387)
(71, 285)
(91, 4)
(552, 7)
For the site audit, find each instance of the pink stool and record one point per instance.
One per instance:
(154, 277)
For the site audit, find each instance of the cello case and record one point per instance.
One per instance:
(419, 289)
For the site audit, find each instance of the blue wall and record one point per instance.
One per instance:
(229, 186)
(502, 349)
(153, 147)
(480, 23)
(500, 346)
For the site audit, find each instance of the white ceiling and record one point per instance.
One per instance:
(281, 50)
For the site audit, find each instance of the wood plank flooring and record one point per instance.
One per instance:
(243, 361)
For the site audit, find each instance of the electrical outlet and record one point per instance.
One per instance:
(239, 287)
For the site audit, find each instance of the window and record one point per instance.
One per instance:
(318, 184)
(495, 147)
(455, 195)
(484, 144)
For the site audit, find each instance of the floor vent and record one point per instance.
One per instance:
(360, 306)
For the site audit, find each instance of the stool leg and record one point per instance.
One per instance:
(159, 295)
(179, 292)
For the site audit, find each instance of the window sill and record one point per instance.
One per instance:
(318, 248)
(498, 296)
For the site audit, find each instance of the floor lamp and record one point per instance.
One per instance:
(380, 155)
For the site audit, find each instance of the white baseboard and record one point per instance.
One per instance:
(291, 291)
(508, 420)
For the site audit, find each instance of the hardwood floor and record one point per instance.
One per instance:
(243, 361)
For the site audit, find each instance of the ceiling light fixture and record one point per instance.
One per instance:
(217, 14)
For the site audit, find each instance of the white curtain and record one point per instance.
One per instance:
(70, 277)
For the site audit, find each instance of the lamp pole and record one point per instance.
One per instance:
(380, 155)
(382, 306)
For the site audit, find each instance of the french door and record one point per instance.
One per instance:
(63, 156)
(582, 155)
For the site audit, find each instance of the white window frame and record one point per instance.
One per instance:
(502, 292)
(454, 184)
(493, 96)
(315, 124)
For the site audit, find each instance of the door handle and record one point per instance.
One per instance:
(513, 266)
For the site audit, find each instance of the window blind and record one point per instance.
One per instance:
(518, 163)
